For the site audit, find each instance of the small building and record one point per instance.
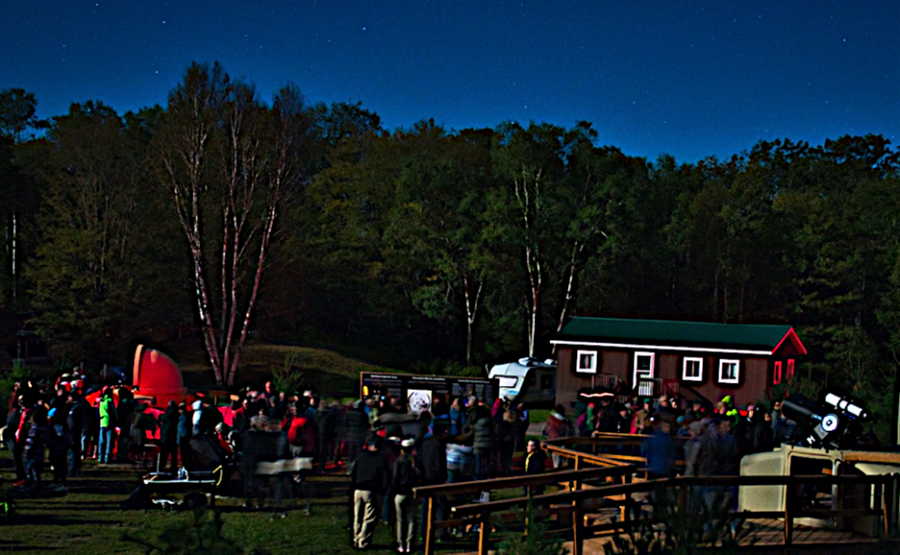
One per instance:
(659, 356)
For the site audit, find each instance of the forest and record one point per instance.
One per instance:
(226, 218)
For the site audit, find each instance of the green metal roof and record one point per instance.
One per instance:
(673, 333)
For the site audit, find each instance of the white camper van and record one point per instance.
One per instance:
(527, 380)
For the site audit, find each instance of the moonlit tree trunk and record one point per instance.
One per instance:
(528, 189)
(228, 153)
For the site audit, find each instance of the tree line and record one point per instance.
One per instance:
(225, 217)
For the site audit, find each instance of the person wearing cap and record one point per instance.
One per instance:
(58, 446)
(369, 478)
(404, 480)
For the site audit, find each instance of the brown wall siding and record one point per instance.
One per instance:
(755, 375)
(617, 363)
(567, 382)
(668, 366)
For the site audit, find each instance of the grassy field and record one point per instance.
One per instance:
(328, 372)
(90, 518)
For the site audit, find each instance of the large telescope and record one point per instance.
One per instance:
(832, 423)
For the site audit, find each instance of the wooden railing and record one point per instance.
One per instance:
(587, 461)
(884, 506)
(571, 480)
(581, 451)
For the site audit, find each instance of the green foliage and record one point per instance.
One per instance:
(19, 372)
(201, 531)
(427, 244)
(800, 384)
(289, 377)
(533, 542)
(17, 113)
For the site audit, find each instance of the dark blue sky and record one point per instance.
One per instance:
(687, 78)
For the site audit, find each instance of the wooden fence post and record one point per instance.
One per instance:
(577, 528)
(626, 500)
(484, 531)
(429, 530)
(788, 519)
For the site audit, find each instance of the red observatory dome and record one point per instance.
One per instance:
(157, 375)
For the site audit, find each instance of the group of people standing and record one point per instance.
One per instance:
(46, 423)
(455, 441)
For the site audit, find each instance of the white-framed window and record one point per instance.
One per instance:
(729, 371)
(644, 365)
(586, 362)
(692, 369)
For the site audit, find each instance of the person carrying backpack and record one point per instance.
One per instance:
(404, 480)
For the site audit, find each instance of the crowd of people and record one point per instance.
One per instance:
(386, 450)
(454, 440)
(755, 428)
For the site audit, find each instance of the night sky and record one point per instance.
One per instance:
(691, 79)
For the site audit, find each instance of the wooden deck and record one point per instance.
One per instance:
(757, 536)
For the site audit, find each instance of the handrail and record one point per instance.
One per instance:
(651, 485)
(604, 460)
(544, 479)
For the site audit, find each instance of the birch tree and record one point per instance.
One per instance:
(228, 162)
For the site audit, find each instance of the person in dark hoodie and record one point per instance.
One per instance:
(35, 444)
(482, 425)
(58, 442)
(356, 428)
(12, 428)
(77, 420)
(431, 463)
(370, 477)
(535, 463)
(168, 437)
(185, 430)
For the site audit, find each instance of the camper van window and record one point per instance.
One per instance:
(729, 371)
(692, 369)
(586, 362)
(507, 382)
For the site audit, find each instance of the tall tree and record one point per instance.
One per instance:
(18, 109)
(436, 227)
(87, 285)
(229, 162)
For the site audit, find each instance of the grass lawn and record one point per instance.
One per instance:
(90, 518)
(328, 372)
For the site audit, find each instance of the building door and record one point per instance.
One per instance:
(644, 367)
